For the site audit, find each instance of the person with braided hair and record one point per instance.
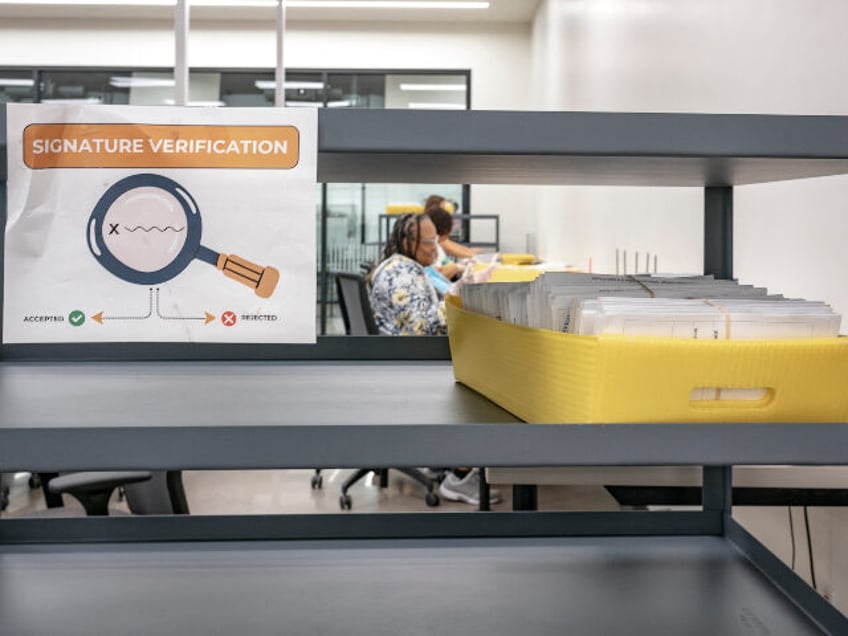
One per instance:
(404, 301)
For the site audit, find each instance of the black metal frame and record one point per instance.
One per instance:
(718, 231)
(325, 348)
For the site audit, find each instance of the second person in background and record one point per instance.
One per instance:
(436, 204)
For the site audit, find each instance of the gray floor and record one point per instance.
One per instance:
(289, 491)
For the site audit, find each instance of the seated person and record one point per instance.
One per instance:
(404, 300)
(437, 201)
(444, 266)
(406, 303)
(447, 246)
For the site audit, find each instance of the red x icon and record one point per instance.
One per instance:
(228, 318)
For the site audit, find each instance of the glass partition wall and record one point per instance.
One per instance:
(348, 215)
(17, 86)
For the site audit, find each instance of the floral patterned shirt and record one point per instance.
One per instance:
(404, 300)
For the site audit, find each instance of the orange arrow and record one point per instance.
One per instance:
(98, 317)
(209, 317)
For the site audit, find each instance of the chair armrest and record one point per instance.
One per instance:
(94, 489)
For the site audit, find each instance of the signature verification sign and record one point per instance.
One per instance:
(160, 224)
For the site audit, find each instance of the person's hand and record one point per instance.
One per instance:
(470, 276)
(484, 275)
(451, 270)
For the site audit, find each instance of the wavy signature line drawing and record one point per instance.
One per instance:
(153, 227)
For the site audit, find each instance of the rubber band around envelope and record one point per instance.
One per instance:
(726, 313)
(642, 285)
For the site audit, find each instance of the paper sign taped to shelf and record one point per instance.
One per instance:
(160, 224)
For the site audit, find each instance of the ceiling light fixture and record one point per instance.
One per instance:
(384, 4)
(270, 85)
(121, 81)
(205, 104)
(459, 88)
(101, 3)
(73, 100)
(436, 105)
(296, 4)
(9, 81)
(341, 103)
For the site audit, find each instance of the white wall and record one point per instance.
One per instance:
(140, 43)
(751, 56)
(828, 528)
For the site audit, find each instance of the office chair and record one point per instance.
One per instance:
(4, 491)
(355, 305)
(359, 321)
(147, 492)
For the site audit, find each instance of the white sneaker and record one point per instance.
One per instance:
(466, 489)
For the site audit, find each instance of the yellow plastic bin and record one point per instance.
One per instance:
(543, 376)
(396, 209)
(510, 273)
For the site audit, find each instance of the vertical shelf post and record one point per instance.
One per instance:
(717, 491)
(181, 21)
(718, 231)
(324, 275)
(280, 68)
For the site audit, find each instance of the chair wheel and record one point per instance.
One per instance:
(431, 499)
(345, 502)
(317, 482)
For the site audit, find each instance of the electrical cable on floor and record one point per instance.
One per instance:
(791, 537)
(810, 549)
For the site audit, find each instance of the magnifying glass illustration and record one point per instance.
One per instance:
(146, 229)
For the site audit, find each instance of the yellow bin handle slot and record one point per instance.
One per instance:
(731, 397)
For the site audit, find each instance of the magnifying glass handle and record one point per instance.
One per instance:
(263, 280)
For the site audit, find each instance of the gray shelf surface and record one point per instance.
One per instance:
(590, 148)
(230, 415)
(698, 586)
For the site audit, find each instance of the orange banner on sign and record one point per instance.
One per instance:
(160, 146)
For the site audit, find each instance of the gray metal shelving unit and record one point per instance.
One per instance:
(692, 572)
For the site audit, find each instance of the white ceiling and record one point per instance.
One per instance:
(498, 11)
